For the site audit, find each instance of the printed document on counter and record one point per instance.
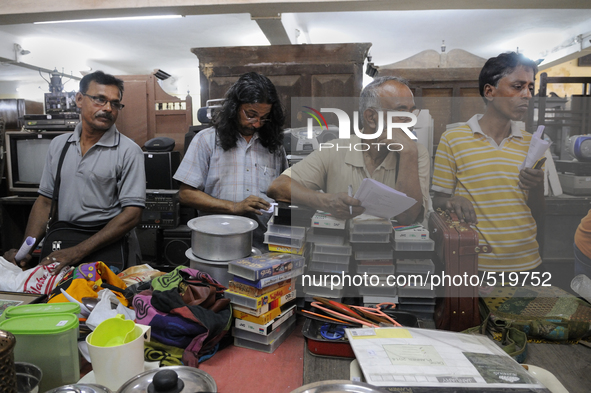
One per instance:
(382, 201)
(412, 357)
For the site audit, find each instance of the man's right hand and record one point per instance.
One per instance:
(463, 208)
(10, 254)
(252, 204)
(339, 205)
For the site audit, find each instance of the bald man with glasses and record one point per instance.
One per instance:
(228, 167)
(103, 180)
(322, 180)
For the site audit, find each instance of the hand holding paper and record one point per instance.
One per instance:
(25, 249)
(537, 148)
(382, 201)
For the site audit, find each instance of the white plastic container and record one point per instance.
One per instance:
(51, 343)
(113, 366)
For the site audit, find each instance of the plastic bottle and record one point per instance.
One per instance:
(581, 284)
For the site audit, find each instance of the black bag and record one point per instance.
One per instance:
(63, 234)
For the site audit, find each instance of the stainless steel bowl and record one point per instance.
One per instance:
(338, 386)
(220, 237)
(81, 388)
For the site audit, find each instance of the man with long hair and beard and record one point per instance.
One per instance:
(228, 167)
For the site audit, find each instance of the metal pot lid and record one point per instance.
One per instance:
(189, 254)
(221, 224)
(81, 388)
(171, 379)
(338, 386)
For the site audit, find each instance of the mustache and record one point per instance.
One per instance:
(105, 115)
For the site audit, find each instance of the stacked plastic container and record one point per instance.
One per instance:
(329, 254)
(413, 250)
(371, 240)
(285, 238)
(46, 336)
(414, 298)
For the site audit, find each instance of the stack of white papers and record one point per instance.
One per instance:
(537, 148)
(382, 201)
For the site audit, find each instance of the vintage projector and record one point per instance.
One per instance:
(575, 175)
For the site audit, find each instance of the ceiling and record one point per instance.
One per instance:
(141, 46)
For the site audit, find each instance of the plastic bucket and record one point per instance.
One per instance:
(115, 365)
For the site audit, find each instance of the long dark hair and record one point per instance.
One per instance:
(251, 88)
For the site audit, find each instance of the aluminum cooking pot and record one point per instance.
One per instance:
(220, 237)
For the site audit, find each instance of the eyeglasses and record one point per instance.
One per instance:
(254, 119)
(117, 105)
(404, 119)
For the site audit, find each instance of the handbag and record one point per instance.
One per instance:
(62, 234)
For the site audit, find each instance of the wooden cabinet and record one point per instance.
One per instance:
(451, 95)
(150, 112)
(324, 70)
(444, 83)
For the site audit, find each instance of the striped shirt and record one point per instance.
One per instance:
(469, 163)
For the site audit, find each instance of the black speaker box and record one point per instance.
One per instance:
(150, 240)
(160, 167)
(175, 244)
(160, 144)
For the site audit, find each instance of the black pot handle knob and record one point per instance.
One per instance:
(166, 381)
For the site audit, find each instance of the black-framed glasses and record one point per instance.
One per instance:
(115, 104)
(254, 119)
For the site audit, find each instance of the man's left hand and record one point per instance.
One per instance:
(252, 204)
(530, 178)
(65, 257)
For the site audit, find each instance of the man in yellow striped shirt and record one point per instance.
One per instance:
(476, 168)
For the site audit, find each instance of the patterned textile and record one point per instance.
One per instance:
(193, 327)
(541, 312)
(470, 164)
(87, 280)
(167, 355)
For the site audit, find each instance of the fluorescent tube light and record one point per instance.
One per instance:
(111, 19)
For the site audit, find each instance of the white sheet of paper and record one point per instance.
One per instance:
(271, 209)
(25, 248)
(537, 148)
(382, 201)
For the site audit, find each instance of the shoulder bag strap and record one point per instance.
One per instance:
(56, 187)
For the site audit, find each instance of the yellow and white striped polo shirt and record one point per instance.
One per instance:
(470, 164)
